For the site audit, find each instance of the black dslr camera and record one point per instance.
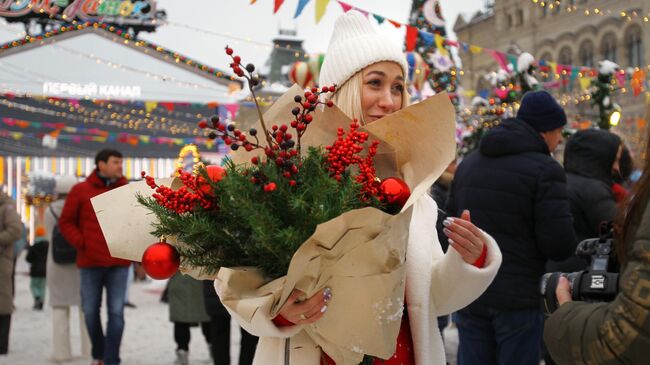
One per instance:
(598, 283)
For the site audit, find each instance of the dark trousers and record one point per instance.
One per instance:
(489, 336)
(5, 324)
(182, 334)
(220, 340)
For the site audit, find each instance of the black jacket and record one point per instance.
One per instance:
(37, 257)
(588, 159)
(516, 192)
(212, 302)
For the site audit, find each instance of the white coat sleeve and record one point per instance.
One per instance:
(454, 282)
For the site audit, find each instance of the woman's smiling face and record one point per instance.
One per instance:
(382, 90)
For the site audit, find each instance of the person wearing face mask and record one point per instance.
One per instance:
(369, 71)
(591, 159)
(517, 193)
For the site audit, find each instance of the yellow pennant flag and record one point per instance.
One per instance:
(470, 93)
(553, 66)
(321, 5)
(475, 49)
(439, 44)
(584, 82)
(150, 105)
(16, 135)
(144, 139)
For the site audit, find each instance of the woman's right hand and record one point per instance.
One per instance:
(308, 311)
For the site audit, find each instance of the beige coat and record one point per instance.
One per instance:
(63, 281)
(10, 230)
(436, 284)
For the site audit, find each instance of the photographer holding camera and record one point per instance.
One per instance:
(617, 332)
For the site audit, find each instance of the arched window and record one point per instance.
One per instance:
(608, 47)
(565, 56)
(586, 54)
(634, 46)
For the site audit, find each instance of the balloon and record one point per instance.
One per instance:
(315, 63)
(418, 70)
(301, 75)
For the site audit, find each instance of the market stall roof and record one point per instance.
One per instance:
(94, 62)
(91, 86)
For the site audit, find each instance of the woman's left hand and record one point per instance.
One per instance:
(464, 237)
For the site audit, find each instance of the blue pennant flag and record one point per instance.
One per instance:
(426, 37)
(301, 6)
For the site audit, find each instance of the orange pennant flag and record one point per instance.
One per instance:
(252, 2)
(396, 24)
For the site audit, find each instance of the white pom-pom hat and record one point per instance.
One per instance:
(354, 45)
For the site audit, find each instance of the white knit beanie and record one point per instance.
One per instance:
(354, 45)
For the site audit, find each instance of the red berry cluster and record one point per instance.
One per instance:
(183, 200)
(346, 152)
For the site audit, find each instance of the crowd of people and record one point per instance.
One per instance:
(504, 215)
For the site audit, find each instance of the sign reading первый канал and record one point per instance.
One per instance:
(119, 12)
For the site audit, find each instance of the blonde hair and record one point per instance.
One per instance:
(348, 97)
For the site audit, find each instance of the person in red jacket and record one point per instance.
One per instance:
(98, 268)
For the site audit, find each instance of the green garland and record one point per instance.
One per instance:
(253, 227)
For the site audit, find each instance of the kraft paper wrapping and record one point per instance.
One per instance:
(359, 255)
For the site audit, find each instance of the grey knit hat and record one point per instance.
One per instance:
(354, 45)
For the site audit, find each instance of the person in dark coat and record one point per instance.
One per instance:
(517, 193)
(220, 330)
(591, 158)
(37, 258)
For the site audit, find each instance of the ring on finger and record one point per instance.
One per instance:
(302, 316)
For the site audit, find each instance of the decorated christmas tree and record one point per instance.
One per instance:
(426, 16)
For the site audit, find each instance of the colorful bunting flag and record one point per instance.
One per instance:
(426, 37)
(321, 6)
(345, 6)
(411, 38)
(299, 9)
(380, 19)
(439, 44)
(394, 23)
(500, 57)
(475, 49)
(277, 5)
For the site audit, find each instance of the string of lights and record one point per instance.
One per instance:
(104, 116)
(628, 15)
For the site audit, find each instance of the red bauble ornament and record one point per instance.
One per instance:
(395, 191)
(215, 173)
(161, 260)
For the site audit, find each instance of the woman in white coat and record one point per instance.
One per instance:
(370, 71)
(63, 283)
